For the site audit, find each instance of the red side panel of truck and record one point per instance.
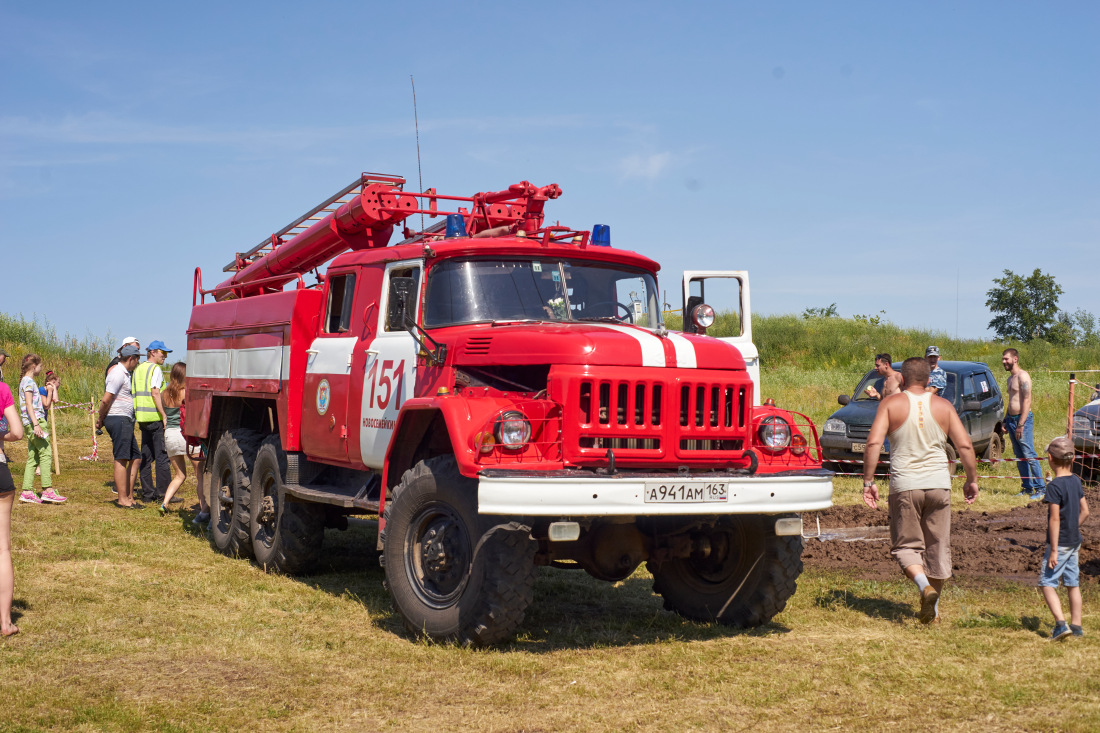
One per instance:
(253, 347)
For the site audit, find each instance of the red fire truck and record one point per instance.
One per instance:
(504, 395)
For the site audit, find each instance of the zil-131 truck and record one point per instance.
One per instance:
(504, 395)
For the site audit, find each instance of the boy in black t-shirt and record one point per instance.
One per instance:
(1067, 511)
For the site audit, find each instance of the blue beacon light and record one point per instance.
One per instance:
(456, 226)
(601, 235)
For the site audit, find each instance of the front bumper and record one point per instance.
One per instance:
(563, 494)
(838, 447)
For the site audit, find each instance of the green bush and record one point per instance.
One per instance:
(79, 361)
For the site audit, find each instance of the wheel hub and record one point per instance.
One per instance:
(439, 557)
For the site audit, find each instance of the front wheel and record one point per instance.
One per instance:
(286, 535)
(740, 574)
(454, 575)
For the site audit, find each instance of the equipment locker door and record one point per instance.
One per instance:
(328, 374)
(390, 371)
(727, 291)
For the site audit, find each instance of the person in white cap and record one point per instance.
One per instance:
(131, 340)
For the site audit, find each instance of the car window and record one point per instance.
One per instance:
(870, 379)
(949, 393)
(985, 385)
(968, 388)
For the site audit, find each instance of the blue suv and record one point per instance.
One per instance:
(971, 388)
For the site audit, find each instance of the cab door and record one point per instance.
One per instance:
(389, 371)
(727, 291)
(328, 374)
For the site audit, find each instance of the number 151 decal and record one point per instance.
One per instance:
(385, 382)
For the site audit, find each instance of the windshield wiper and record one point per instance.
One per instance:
(510, 321)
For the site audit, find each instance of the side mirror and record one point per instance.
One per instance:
(402, 290)
(843, 399)
(971, 406)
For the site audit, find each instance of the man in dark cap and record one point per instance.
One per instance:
(937, 377)
(116, 413)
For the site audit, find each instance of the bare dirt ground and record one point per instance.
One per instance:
(1006, 545)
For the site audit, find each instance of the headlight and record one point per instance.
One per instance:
(835, 425)
(703, 316)
(513, 430)
(1081, 424)
(775, 433)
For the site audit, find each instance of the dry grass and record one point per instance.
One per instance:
(131, 622)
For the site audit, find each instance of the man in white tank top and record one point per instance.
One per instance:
(919, 424)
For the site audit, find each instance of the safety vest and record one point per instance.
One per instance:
(145, 409)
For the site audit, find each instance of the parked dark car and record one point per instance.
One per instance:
(1086, 440)
(971, 388)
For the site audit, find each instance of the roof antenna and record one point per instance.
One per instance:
(416, 122)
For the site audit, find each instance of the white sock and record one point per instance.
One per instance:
(937, 606)
(922, 581)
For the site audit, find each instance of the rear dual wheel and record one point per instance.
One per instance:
(286, 535)
(229, 489)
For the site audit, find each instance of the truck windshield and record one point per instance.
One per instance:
(479, 290)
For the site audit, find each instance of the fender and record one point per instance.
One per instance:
(431, 426)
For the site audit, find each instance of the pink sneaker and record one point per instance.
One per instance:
(30, 497)
(53, 497)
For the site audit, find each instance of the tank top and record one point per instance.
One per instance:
(173, 415)
(918, 449)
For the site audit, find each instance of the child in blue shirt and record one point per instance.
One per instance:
(1067, 510)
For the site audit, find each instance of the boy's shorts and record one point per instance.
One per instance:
(123, 442)
(1065, 568)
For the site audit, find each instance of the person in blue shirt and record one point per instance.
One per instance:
(937, 379)
(1067, 510)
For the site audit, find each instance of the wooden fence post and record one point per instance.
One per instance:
(53, 443)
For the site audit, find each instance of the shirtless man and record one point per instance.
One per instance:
(1018, 424)
(892, 382)
(919, 425)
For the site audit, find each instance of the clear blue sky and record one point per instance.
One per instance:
(859, 153)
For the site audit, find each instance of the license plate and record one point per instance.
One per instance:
(684, 492)
(859, 447)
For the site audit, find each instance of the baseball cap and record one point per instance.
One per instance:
(127, 351)
(158, 345)
(1061, 449)
(932, 351)
(127, 340)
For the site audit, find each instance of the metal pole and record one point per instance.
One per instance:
(1069, 409)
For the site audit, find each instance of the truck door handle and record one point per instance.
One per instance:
(312, 351)
(371, 351)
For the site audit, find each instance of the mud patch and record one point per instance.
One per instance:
(983, 544)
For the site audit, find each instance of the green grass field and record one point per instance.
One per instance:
(130, 622)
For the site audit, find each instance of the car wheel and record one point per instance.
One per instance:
(996, 448)
(952, 459)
